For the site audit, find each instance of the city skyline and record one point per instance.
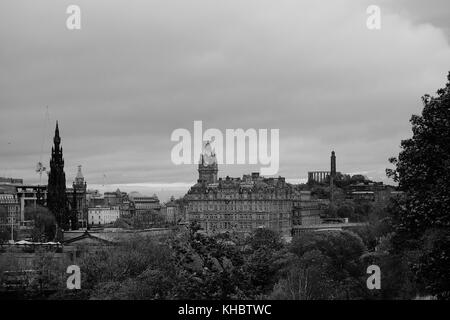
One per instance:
(224, 155)
(164, 191)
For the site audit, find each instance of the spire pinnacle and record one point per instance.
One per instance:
(57, 138)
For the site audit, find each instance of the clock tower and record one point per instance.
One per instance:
(207, 166)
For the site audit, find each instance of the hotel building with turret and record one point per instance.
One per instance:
(244, 204)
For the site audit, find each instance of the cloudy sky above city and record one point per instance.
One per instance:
(138, 70)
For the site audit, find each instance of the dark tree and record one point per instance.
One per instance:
(265, 238)
(44, 228)
(422, 169)
(343, 251)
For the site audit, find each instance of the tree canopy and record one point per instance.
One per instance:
(422, 169)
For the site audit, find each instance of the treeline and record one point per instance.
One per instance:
(192, 265)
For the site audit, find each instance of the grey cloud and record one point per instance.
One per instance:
(140, 69)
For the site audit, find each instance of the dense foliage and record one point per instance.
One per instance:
(421, 219)
(44, 223)
(192, 265)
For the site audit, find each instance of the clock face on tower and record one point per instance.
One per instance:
(208, 160)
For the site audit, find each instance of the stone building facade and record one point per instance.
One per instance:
(171, 212)
(242, 204)
(144, 204)
(99, 216)
(9, 210)
(308, 211)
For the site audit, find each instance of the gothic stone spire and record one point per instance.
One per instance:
(56, 190)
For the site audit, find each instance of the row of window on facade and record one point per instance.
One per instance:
(242, 216)
(9, 209)
(239, 206)
(258, 196)
(103, 215)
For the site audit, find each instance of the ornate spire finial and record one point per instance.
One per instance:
(57, 138)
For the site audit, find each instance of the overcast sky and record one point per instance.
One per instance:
(137, 70)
